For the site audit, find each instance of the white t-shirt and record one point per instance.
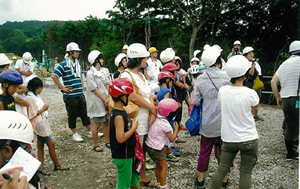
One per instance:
(145, 90)
(153, 69)
(237, 124)
(288, 74)
(24, 67)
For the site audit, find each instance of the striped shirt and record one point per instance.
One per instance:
(69, 80)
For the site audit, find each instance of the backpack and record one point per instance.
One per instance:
(193, 124)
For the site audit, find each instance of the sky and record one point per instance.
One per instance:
(44, 10)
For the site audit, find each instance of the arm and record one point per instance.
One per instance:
(167, 95)
(173, 136)
(119, 125)
(82, 83)
(26, 73)
(21, 101)
(140, 101)
(274, 83)
(179, 84)
(44, 108)
(21, 89)
(59, 85)
(254, 109)
(252, 70)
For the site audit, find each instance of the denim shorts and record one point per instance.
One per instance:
(44, 139)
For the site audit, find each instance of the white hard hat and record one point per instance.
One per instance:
(196, 52)
(93, 55)
(14, 58)
(28, 79)
(237, 42)
(15, 126)
(206, 46)
(137, 50)
(195, 69)
(295, 46)
(167, 55)
(125, 47)
(27, 57)
(210, 55)
(119, 58)
(195, 59)
(72, 47)
(4, 59)
(248, 49)
(237, 66)
(217, 46)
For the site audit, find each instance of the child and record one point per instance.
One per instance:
(159, 131)
(121, 63)
(38, 116)
(122, 135)
(9, 79)
(238, 134)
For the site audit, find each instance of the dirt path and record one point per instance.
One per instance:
(93, 170)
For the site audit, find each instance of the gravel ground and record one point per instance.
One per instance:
(91, 170)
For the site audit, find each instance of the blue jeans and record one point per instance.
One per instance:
(248, 151)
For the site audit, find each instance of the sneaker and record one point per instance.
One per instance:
(168, 165)
(200, 185)
(91, 136)
(291, 157)
(224, 184)
(175, 149)
(180, 141)
(182, 127)
(176, 153)
(77, 138)
(258, 118)
(171, 157)
(149, 166)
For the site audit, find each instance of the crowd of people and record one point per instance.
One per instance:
(140, 107)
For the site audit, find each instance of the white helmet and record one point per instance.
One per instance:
(167, 55)
(125, 47)
(137, 50)
(217, 46)
(4, 59)
(119, 58)
(93, 55)
(237, 42)
(15, 126)
(196, 52)
(295, 46)
(27, 57)
(28, 79)
(206, 46)
(210, 55)
(14, 58)
(248, 49)
(237, 66)
(195, 59)
(72, 47)
(195, 69)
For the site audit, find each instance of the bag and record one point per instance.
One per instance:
(131, 109)
(258, 84)
(193, 124)
(43, 127)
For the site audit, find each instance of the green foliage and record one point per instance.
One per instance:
(15, 42)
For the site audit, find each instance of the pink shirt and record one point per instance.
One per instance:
(157, 135)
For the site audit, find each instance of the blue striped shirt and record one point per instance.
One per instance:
(69, 80)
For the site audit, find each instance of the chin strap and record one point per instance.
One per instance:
(124, 103)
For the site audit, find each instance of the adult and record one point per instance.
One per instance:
(97, 97)
(153, 66)
(207, 86)
(138, 54)
(288, 74)
(255, 72)
(11, 138)
(25, 66)
(121, 63)
(13, 63)
(74, 99)
(124, 49)
(238, 135)
(236, 49)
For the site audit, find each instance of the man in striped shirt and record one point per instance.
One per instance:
(73, 96)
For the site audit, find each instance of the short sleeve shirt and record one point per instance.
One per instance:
(24, 67)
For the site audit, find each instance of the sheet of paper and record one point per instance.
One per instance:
(28, 162)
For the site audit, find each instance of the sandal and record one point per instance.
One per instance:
(61, 168)
(97, 150)
(45, 187)
(148, 184)
(43, 171)
(107, 145)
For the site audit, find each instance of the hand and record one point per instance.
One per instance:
(135, 123)
(151, 118)
(279, 102)
(16, 182)
(67, 90)
(187, 88)
(45, 107)
(179, 105)
(106, 103)
(8, 171)
(176, 126)
(83, 88)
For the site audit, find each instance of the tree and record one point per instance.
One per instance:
(15, 42)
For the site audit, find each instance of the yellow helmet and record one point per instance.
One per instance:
(152, 50)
